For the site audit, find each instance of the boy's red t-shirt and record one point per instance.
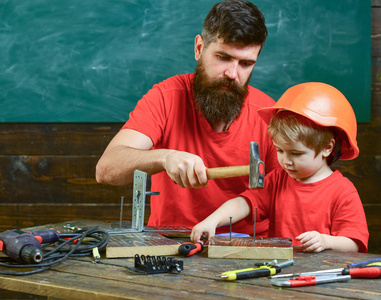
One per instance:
(330, 206)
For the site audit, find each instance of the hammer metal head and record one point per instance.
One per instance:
(257, 168)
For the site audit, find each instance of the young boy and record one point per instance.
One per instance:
(311, 126)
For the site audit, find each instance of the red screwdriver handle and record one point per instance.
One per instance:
(189, 249)
(369, 272)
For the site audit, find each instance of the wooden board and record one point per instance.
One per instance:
(142, 243)
(245, 247)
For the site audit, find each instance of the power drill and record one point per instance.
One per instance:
(25, 246)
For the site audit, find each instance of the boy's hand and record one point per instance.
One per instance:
(312, 241)
(234, 209)
(201, 231)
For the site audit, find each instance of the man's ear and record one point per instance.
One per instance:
(328, 149)
(198, 47)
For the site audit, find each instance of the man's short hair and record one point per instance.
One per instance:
(288, 126)
(235, 21)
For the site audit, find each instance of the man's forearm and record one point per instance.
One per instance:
(117, 165)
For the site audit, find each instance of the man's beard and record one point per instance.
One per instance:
(217, 103)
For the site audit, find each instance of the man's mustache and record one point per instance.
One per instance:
(226, 82)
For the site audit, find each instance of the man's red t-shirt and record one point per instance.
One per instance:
(168, 116)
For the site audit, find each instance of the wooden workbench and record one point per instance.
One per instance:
(80, 278)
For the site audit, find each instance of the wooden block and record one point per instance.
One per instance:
(142, 243)
(245, 247)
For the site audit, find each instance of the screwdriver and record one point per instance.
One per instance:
(189, 249)
(369, 263)
(259, 271)
(368, 272)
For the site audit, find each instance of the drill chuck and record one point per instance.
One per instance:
(31, 255)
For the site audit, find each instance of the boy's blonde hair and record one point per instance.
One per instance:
(288, 126)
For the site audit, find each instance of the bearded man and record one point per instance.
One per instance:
(192, 122)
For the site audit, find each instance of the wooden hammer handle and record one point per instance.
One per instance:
(226, 172)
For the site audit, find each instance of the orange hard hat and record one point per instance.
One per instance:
(324, 105)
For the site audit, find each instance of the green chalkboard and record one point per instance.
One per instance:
(92, 60)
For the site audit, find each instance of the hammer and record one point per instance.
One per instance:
(256, 169)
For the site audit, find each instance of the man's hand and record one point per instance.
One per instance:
(185, 169)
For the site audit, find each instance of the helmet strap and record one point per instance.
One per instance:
(337, 151)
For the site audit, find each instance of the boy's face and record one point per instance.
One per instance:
(301, 163)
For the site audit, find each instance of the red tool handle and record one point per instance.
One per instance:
(369, 272)
(189, 249)
(303, 281)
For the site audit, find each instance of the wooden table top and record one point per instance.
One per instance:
(80, 278)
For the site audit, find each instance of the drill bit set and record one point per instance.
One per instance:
(157, 264)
